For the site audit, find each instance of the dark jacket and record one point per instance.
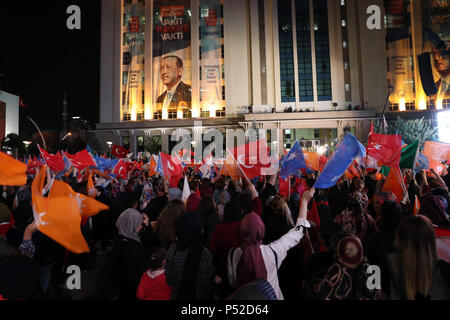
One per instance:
(124, 268)
(182, 95)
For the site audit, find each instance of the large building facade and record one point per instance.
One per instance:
(301, 69)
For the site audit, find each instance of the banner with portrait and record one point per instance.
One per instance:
(133, 76)
(172, 76)
(399, 52)
(210, 63)
(435, 58)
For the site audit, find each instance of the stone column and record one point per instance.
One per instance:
(165, 140)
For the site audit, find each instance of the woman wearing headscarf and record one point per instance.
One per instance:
(435, 209)
(252, 260)
(129, 256)
(355, 220)
(346, 278)
(189, 265)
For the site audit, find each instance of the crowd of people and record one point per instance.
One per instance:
(235, 239)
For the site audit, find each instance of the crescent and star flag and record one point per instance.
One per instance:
(81, 160)
(385, 148)
(54, 161)
(293, 162)
(346, 152)
(12, 172)
(57, 217)
(252, 158)
(118, 151)
(172, 169)
(120, 170)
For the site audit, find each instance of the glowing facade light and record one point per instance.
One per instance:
(439, 105)
(422, 104)
(402, 104)
(443, 118)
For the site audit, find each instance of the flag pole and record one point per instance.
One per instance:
(238, 166)
(390, 90)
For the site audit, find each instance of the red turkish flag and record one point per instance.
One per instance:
(81, 160)
(252, 158)
(171, 167)
(118, 151)
(385, 148)
(120, 170)
(54, 161)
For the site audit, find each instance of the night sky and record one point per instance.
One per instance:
(41, 58)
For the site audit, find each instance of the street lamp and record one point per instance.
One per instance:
(68, 134)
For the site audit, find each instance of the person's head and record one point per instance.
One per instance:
(171, 70)
(129, 224)
(193, 202)
(391, 215)
(98, 190)
(251, 230)
(133, 203)
(434, 208)
(328, 231)
(279, 208)
(189, 229)
(165, 226)
(157, 258)
(441, 62)
(416, 242)
(381, 197)
(246, 203)
(207, 207)
(357, 184)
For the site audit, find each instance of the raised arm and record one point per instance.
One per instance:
(293, 237)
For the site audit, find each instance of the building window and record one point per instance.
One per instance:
(347, 87)
(304, 54)
(157, 115)
(143, 96)
(223, 71)
(344, 23)
(126, 116)
(205, 114)
(223, 93)
(287, 134)
(126, 58)
(126, 38)
(172, 114)
(322, 51)
(125, 78)
(124, 96)
(345, 65)
(187, 114)
(222, 51)
(286, 51)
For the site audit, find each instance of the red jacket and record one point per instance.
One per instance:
(153, 288)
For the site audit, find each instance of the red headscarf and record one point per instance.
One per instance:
(251, 265)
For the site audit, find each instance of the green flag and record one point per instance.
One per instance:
(408, 158)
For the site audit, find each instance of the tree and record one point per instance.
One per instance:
(153, 144)
(412, 130)
(14, 144)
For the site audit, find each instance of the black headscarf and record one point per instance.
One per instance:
(189, 229)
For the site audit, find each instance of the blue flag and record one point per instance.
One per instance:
(88, 148)
(159, 167)
(293, 162)
(105, 164)
(422, 163)
(347, 150)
